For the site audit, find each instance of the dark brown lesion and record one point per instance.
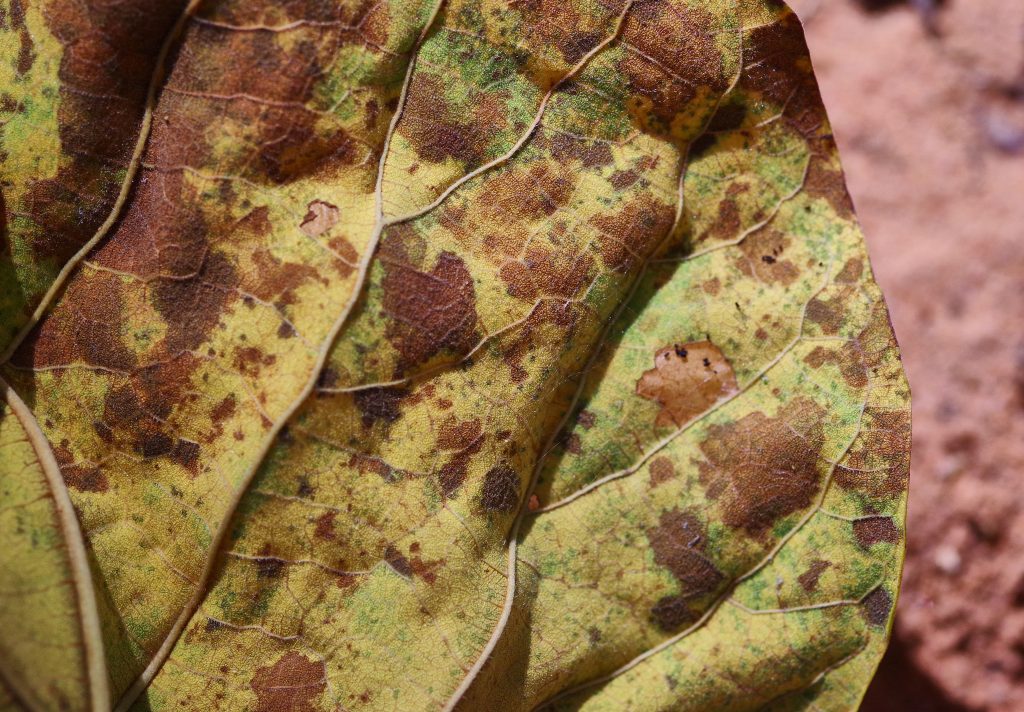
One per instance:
(292, 683)
(428, 312)
(109, 58)
(670, 53)
(760, 469)
(679, 542)
(627, 236)
(501, 489)
(808, 580)
(877, 606)
(463, 439)
(873, 530)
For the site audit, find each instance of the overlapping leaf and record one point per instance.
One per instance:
(420, 355)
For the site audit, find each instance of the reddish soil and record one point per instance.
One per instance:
(928, 109)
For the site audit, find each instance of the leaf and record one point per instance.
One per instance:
(51, 647)
(458, 354)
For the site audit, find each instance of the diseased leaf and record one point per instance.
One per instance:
(51, 648)
(457, 355)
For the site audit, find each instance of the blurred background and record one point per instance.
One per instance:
(927, 102)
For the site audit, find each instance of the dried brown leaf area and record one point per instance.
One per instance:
(460, 354)
(686, 381)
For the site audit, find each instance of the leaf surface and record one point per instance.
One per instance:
(51, 646)
(474, 355)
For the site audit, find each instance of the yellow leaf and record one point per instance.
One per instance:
(456, 354)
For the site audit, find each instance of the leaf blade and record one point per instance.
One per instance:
(51, 641)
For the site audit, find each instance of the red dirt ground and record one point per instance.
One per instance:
(930, 122)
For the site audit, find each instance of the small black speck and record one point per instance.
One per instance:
(768, 259)
(707, 363)
(680, 351)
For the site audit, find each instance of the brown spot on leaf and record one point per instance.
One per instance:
(397, 561)
(776, 66)
(686, 380)
(546, 272)
(458, 434)
(429, 312)
(191, 303)
(847, 358)
(292, 684)
(876, 607)
(762, 468)
(727, 222)
(379, 404)
(109, 50)
(675, 52)
(632, 232)
(662, 470)
(879, 463)
(852, 271)
(325, 526)
(431, 129)
(874, 530)
(501, 489)
(464, 437)
(621, 180)
(679, 543)
(808, 580)
(826, 313)
(530, 195)
(86, 326)
(825, 178)
(761, 257)
(320, 217)
(83, 478)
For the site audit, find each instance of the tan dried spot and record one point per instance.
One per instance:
(292, 684)
(761, 257)
(760, 468)
(686, 380)
(679, 543)
(320, 217)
